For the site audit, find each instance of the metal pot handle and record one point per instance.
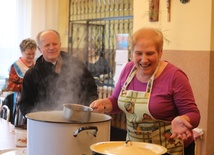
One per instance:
(86, 128)
(128, 142)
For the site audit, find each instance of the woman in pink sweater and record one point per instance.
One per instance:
(156, 97)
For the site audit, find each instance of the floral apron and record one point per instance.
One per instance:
(141, 126)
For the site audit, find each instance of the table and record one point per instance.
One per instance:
(7, 135)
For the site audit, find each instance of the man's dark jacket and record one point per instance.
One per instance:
(44, 89)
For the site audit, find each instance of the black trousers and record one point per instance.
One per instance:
(190, 149)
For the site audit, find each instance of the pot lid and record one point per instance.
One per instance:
(127, 148)
(18, 151)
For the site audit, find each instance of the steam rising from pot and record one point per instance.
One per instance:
(63, 87)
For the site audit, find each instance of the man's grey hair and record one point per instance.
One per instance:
(39, 34)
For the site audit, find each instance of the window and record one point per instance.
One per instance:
(8, 46)
(19, 20)
(15, 18)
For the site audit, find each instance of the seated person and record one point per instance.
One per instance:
(98, 65)
(16, 75)
(20, 66)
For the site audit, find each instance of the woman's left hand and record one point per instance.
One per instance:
(181, 128)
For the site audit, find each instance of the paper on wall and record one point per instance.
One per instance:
(121, 56)
(122, 41)
(118, 68)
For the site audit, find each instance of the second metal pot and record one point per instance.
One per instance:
(77, 112)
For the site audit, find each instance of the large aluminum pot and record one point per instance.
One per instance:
(49, 133)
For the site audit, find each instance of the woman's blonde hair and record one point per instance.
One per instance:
(148, 33)
(92, 44)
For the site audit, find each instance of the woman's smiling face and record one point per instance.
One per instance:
(147, 47)
(145, 56)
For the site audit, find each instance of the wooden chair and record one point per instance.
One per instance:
(5, 112)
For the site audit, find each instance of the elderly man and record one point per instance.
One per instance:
(56, 78)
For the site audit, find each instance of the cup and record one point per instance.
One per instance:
(21, 137)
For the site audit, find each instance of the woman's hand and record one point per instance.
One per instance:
(101, 106)
(181, 128)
